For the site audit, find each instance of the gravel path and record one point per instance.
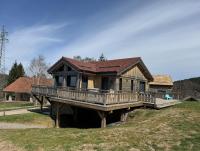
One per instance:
(4, 125)
(19, 111)
(13, 112)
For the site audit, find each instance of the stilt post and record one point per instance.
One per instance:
(57, 116)
(124, 115)
(102, 115)
(41, 104)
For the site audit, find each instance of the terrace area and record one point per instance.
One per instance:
(101, 100)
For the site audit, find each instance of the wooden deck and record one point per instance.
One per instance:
(93, 100)
(103, 103)
(161, 103)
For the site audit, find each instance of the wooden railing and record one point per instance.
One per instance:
(107, 98)
(147, 97)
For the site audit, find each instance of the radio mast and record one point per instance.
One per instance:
(3, 40)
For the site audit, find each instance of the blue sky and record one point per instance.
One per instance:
(166, 34)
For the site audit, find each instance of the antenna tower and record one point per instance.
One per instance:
(3, 40)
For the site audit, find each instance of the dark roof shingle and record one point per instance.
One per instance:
(103, 66)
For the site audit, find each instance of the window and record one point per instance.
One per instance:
(59, 80)
(120, 84)
(142, 86)
(71, 81)
(132, 85)
(69, 68)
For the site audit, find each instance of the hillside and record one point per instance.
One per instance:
(188, 87)
(172, 129)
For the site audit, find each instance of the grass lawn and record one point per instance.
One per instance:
(10, 105)
(175, 128)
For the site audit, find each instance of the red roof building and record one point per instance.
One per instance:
(23, 86)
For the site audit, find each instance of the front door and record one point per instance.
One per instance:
(105, 83)
(84, 82)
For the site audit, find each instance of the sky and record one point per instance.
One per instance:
(165, 34)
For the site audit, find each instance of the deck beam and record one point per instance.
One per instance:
(40, 99)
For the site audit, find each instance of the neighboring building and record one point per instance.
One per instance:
(3, 83)
(128, 74)
(20, 89)
(161, 84)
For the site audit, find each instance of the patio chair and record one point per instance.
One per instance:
(168, 97)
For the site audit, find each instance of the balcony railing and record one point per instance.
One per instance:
(103, 98)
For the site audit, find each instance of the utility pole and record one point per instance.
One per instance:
(3, 40)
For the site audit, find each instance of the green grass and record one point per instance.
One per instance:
(28, 118)
(12, 105)
(174, 128)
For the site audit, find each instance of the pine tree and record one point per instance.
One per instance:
(15, 72)
(20, 70)
(102, 57)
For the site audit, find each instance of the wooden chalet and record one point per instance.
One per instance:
(102, 86)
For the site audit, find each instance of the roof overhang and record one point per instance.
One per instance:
(60, 62)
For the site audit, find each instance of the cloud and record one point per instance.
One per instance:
(163, 33)
(26, 43)
(131, 25)
(154, 31)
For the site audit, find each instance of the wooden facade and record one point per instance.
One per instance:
(112, 86)
(131, 80)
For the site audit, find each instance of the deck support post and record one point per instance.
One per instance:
(124, 115)
(41, 104)
(75, 114)
(102, 115)
(51, 109)
(40, 100)
(57, 116)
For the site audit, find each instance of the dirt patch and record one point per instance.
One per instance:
(104, 146)
(8, 146)
(18, 126)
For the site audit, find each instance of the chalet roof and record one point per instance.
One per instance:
(162, 80)
(24, 84)
(109, 66)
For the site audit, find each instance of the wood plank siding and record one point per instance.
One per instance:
(133, 77)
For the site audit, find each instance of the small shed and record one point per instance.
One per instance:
(161, 83)
(20, 89)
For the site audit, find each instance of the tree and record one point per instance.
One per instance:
(38, 67)
(86, 59)
(77, 58)
(102, 57)
(15, 72)
(20, 70)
